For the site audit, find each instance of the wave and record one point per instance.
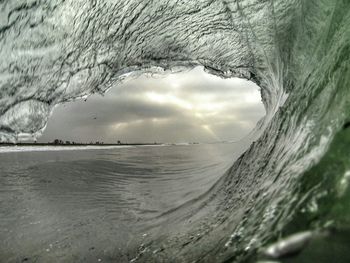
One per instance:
(293, 177)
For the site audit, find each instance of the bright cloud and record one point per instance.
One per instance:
(189, 106)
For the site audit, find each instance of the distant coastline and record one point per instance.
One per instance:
(76, 144)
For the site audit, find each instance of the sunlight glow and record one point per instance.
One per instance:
(169, 98)
(187, 106)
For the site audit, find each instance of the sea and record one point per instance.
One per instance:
(90, 204)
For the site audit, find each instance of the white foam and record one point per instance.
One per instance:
(11, 149)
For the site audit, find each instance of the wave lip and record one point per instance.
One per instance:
(61, 50)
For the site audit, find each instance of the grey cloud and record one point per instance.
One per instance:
(127, 113)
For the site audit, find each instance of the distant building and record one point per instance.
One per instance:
(57, 142)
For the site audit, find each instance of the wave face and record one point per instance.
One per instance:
(293, 177)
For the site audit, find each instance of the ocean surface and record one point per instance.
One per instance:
(285, 199)
(86, 204)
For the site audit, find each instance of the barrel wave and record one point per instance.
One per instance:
(294, 177)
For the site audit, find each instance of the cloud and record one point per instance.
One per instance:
(191, 106)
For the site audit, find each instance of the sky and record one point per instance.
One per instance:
(191, 106)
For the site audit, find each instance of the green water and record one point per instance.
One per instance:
(293, 178)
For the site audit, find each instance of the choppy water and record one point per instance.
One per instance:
(293, 178)
(85, 205)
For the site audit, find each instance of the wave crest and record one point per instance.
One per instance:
(62, 50)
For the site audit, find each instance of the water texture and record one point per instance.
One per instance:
(82, 205)
(295, 175)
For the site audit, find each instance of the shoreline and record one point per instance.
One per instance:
(17, 148)
(74, 145)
